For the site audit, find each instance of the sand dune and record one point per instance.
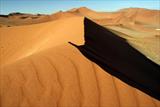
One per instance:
(62, 76)
(40, 69)
(138, 16)
(17, 19)
(123, 16)
(44, 34)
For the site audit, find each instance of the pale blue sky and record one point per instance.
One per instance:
(51, 6)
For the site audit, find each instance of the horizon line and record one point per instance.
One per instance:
(65, 10)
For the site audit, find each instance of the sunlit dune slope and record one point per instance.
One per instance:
(62, 76)
(123, 16)
(21, 41)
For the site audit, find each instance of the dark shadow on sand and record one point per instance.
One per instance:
(117, 57)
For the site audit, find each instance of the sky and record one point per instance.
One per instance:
(51, 6)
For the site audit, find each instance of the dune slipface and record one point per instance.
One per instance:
(118, 58)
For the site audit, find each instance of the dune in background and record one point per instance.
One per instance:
(39, 68)
(139, 16)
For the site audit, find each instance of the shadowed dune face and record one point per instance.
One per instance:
(120, 59)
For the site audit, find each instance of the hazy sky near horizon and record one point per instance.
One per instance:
(51, 6)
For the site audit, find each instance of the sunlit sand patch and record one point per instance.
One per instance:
(157, 29)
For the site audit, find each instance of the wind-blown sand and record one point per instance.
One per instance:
(40, 69)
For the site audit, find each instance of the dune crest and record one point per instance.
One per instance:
(16, 44)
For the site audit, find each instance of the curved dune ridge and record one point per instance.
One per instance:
(22, 41)
(40, 69)
(137, 25)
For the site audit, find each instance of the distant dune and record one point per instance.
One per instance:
(39, 68)
(123, 16)
(15, 19)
